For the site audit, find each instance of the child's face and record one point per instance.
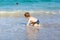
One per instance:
(27, 17)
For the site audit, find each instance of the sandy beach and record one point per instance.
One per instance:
(14, 28)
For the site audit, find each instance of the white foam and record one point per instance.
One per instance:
(32, 11)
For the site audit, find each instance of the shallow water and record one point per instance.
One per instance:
(14, 28)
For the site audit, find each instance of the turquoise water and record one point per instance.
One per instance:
(29, 5)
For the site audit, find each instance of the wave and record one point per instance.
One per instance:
(30, 11)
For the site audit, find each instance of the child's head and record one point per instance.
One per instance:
(27, 14)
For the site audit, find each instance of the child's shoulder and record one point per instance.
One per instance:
(33, 18)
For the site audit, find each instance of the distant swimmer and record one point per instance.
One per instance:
(31, 20)
(17, 3)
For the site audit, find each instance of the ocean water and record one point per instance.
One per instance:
(29, 5)
(14, 28)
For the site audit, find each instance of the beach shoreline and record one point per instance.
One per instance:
(20, 13)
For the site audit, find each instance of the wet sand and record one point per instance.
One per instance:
(15, 29)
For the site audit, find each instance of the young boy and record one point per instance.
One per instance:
(31, 20)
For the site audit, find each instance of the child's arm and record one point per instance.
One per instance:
(28, 22)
